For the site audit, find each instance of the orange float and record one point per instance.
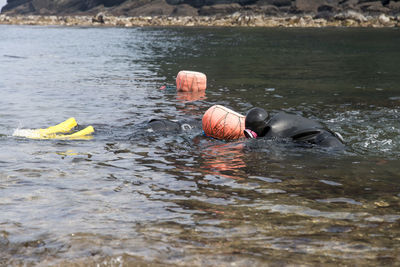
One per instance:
(223, 123)
(191, 81)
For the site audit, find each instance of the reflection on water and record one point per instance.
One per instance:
(190, 96)
(133, 198)
(224, 159)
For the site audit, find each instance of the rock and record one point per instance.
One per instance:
(13, 4)
(44, 11)
(99, 18)
(151, 8)
(269, 10)
(126, 8)
(326, 8)
(373, 7)
(236, 19)
(350, 5)
(326, 15)
(381, 204)
(21, 9)
(352, 15)
(394, 7)
(175, 2)
(277, 3)
(307, 6)
(262, 13)
(286, 9)
(383, 19)
(184, 10)
(219, 9)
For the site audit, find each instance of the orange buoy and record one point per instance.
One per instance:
(223, 123)
(191, 81)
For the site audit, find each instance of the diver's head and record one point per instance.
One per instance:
(256, 123)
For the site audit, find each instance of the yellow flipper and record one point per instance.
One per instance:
(63, 127)
(82, 134)
(56, 132)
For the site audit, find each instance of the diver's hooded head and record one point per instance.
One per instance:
(256, 123)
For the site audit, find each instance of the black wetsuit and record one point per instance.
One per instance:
(300, 129)
(281, 125)
(162, 125)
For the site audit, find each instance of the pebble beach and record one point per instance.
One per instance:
(345, 19)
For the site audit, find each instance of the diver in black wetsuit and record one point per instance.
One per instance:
(163, 125)
(258, 123)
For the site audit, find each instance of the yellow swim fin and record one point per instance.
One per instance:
(63, 127)
(57, 132)
(82, 134)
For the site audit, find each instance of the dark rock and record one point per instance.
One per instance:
(153, 8)
(307, 6)
(201, 3)
(373, 7)
(247, 2)
(333, 2)
(269, 10)
(327, 15)
(287, 9)
(327, 8)
(14, 4)
(394, 7)
(217, 2)
(349, 4)
(99, 18)
(184, 10)
(175, 2)
(219, 9)
(23, 9)
(44, 11)
(11, 4)
(323, 9)
(48, 7)
(142, 8)
(277, 3)
(127, 7)
(106, 3)
(351, 15)
(72, 6)
(195, 3)
(385, 2)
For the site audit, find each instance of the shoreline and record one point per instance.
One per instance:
(345, 19)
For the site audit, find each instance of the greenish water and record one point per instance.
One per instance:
(128, 199)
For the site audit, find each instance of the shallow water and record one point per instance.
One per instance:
(124, 198)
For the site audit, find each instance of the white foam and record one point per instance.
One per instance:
(29, 133)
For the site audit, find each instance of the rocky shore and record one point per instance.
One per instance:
(343, 19)
(226, 13)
